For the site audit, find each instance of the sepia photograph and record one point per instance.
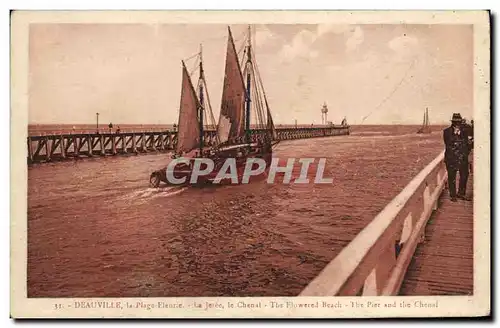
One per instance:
(250, 164)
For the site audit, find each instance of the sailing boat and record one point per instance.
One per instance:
(241, 101)
(425, 125)
(234, 139)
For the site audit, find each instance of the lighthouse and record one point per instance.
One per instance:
(324, 114)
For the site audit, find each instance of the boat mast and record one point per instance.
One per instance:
(248, 100)
(270, 123)
(201, 101)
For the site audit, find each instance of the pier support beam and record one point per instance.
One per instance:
(62, 146)
(30, 150)
(101, 144)
(76, 146)
(134, 146)
(153, 146)
(113, 145)
(47, 150)
(124, 144)
(162, 142)
(89, 146)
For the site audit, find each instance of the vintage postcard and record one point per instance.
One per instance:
(250, 164)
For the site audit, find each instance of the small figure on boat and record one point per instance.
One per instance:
(456, 140)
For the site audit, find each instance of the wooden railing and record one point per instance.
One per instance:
(376, 260)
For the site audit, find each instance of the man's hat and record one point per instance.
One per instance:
(456, 117)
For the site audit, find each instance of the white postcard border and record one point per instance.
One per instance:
(476, 305)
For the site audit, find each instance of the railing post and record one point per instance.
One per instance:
(408, 225)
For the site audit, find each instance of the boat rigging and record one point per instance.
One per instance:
(243, 101)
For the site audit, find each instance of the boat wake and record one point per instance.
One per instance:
(165, 191)
(149, 193)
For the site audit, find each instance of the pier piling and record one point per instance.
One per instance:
(134, 147)
(113, 145)
(101, 143)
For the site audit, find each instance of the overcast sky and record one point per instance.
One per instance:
(369, 73)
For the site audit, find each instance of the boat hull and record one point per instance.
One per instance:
(184, 171)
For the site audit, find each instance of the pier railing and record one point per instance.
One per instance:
(376, 260)
(53, 147)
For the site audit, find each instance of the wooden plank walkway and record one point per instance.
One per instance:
(443, 264)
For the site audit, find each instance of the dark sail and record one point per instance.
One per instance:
(425, 125)
(188, 133)
(231, 119)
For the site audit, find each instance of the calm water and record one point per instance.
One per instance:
(95, 228)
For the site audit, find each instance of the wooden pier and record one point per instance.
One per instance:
(421, 244)
(444, 263)
(374, 263)
(57, 147)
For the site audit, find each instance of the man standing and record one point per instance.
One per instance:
(456, 140)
